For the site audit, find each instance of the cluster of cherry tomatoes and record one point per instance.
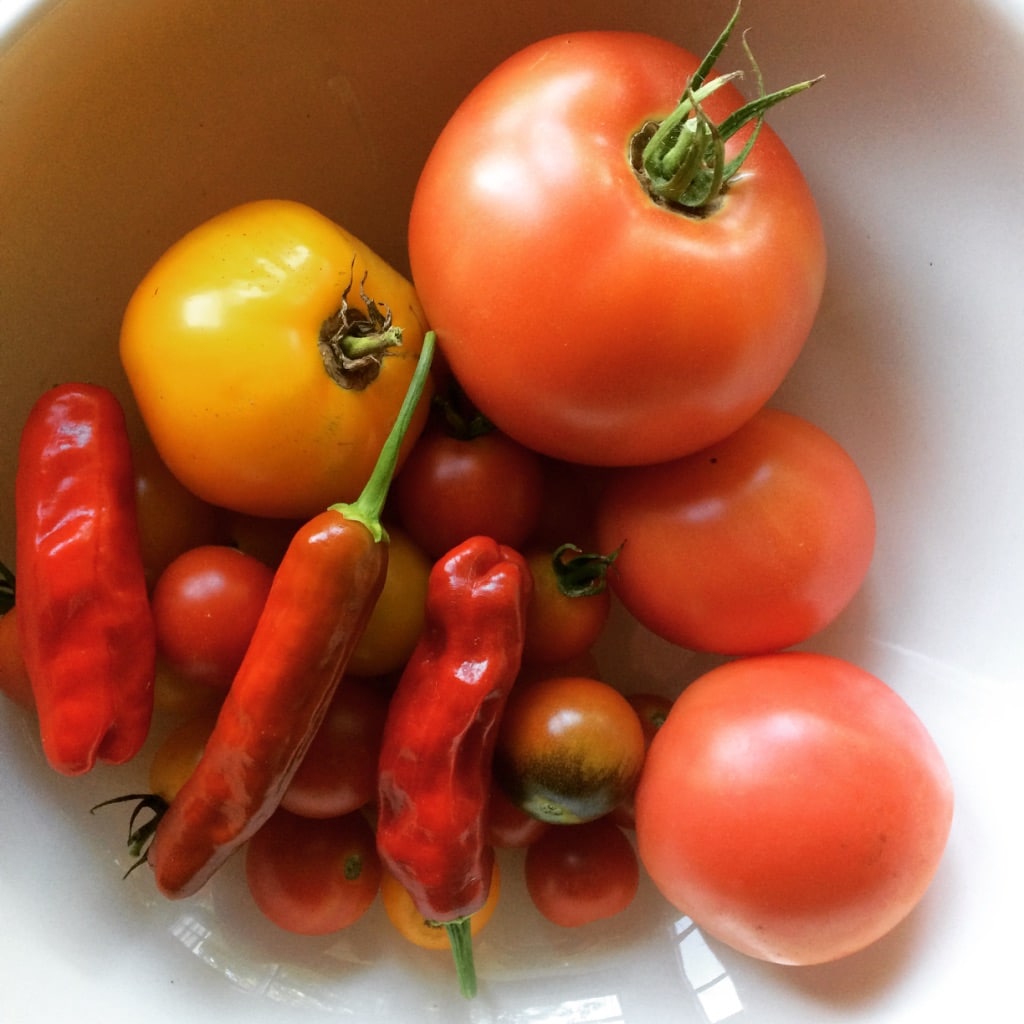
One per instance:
(622, 350)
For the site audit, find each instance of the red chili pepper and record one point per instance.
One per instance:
(319, 602)
(84, 621)
(439, 738)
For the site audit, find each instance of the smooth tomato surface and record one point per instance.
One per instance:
(205, 606)
(313, 876)
(749, 546)
(220, 343)
(14, 680)
(452, 488)
(793, 806)
(578, 874)
(338, 773)
(582, 318)
(569, 748)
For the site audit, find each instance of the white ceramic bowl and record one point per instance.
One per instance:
(124, 123)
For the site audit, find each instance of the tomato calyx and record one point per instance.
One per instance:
(353, 344)
(139, 836)
(461, 419)
(582, 574)
(681, 160)
(6, 589)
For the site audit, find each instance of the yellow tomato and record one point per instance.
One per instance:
(231, 346)
(397, 619)
(411, 924)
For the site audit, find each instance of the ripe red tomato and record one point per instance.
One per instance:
(749, 546)
(582, 317)
(569, 749)
(653, 710)
(452, 488)
(313, 876)
(577, 874)
(793, 806)
(338, 773)
(205, 607)
(508, 825)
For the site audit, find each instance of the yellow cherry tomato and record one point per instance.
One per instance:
(411, 924)
(268, 352)
(397, 619)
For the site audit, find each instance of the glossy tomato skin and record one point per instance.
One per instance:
(206, 604)
(14, 681)
(220, 345)
(578, 874)
(793, 806)
(338, 773)
(313, 876)
(453, 488)
(569, 748)
(751, 545)
(583, 319)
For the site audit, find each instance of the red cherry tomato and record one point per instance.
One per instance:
(338, 773)
(793, 806)
(751, 545)
(205, 606)
(313, 876)
(452, 488)
(14, 681)
(508, 825)
(578, 874)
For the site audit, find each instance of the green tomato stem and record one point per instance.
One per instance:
(681, 160)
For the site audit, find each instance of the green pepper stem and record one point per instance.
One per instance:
(369, 506)
(460, 938)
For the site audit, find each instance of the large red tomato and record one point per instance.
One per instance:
(583, 317)
(748, 546)
(793, 806)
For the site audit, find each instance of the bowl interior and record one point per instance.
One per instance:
(122, 125)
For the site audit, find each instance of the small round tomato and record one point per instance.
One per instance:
(179, 752)
(750, 546)
(569, 749)
(585, 316)
(579, 874)
(415, 928)
(14, 680)
(397, 618)
(269, 352)
(793, 806)
(171, 518)
(176, 694)
(313, 876)
(569, 608)
(508, 825)
(452, 488)
(338, 773)
(205, 606)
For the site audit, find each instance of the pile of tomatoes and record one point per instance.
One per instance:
(601, 404)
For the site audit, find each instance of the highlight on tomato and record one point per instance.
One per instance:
(313, 876)
(620, 258)
(269, 351)
(579, 874)
(794, 806)
(751, 545)
(206, 604)
(569, 748)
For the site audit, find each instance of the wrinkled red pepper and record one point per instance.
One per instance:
(84, 621)
(320, 600)
(440, 733)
